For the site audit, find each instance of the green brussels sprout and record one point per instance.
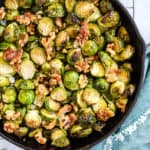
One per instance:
(31, 45)
(25, 3)
(87, 117)
(59, 138)
(56, 66)
(87, 10)
(105, 6)
(100, 41)
(2, 29)
(111, 106)
(26, 97)
(34, 132)
(5, 45)
(73, 56)
(123, 34)
(11, 4)
(101, 85)
(71, 80)
(91, 96)
(4, 81)
(94, 30)
(22, 111)
(79, 99)
(80, 132)
(12, 32)
(47, 115)
(89, 48)
(72, 30)
(59, 94)
(9, 95)
(26, 85)
(27, 69)
(109, 35)
(21, 131)
(11, 14)
(62, 38)
(25, 55)
(118, 45)
(117, 89)
(56, 10)
(70, 4)
(97, 69)
(90, 82)
(51, 105)
(46, 67)
(33, 119)
(45, 26)
(38, 55)
(7, 107)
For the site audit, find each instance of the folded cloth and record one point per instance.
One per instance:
(134, 133)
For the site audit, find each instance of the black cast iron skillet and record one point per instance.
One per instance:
(114, 123)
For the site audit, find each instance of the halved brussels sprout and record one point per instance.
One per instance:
(11, 14)
(73, 56)
(62, 38)
(45, 26)
(118, 45)
(38, 55)
(2, 29)
(123, 34)
(91, 96)
(94, 30)
(56, 10)
(57, 133)
(21, 131)
(105, 6)
(72, 30)
(9, 95)
(11, 4)
(59, 94)
(80, 132)
(89, 48)
(25, 3)
(70, 4)
(34, 132)
(79, 99)
(33, 119)
(4, 81)
(100, 41)
(7, 107)
(12, 32)
(71, 80)
(97, 69)
(26, 97)
(46, 67)
(22, 111)
(25, 84)
(124, 76)
(102, 85)
(109, 35)
(56, 66)
(86, 117)
(27, 69)
(47, 115)
(51, 105)
(5, 45)
(121, 104)
(117, 89)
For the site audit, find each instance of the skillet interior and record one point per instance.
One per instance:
(113, 124)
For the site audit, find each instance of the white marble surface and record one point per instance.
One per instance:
(139, 9)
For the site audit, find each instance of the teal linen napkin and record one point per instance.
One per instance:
(134, 133)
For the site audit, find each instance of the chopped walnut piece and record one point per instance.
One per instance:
(10, 127)
(23, 39)
(27, 18)
(2, 13)
(31, 29)
(83, 34)
(41, 90)
(12, 115)
(81, 65)
(110, 50)
(55, 79)
(83, 81)
(105, 114)
(121, 104)
(46, 43)
(13, 57)
(39, 138)
(58, 22)
(49, 125)
(90, 59)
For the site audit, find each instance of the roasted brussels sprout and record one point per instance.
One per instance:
(123, 34)
(12, 32)
(100, 41)
(105, 6)
(56, 66)
(87, 117)
(121, 104)
(11, 4)
(118, 45)
(71, 80)
(33, 119)
(26, 97)
(109, 35)
(56, 10)
(21, 131)
(73, 56)
(91, 96)
(70, 4)
(94, 30)
(89, 48)
(102, 85)
(9, 95)
(11, 14)
(5, 45)
(72, 31)
(97, 70)
(79, 99)
(38, 55)
(2, 29)
(25, 3)
(25, 84)
(4, 81)
(46, 67)
(45, 26)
